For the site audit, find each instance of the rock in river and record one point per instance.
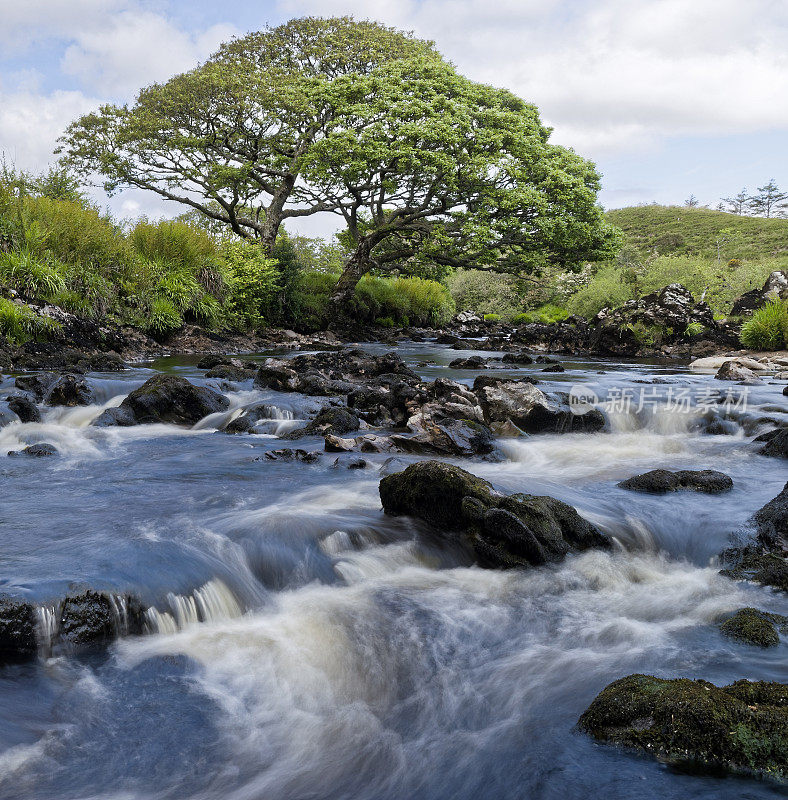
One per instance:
(755, 627)
(165, 398)
(501, 531)
(661, 481)
(741, 728)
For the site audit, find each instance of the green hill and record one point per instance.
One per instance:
(695, 231)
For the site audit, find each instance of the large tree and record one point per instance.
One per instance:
(432, 167)
(229, 137)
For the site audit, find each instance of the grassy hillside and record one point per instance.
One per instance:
(696, 231)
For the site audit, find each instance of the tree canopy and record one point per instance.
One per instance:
(424, 166)
(229, 137)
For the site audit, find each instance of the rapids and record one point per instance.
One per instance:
(300, 644)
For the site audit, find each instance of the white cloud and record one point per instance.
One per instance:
(30, 124)
(135, 48)
(611, 75)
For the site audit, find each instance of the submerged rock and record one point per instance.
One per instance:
(661, 481)
(502, 532)
(69, 390)
(17, 631)
(331, 421)
(165, 398)
(739, 728)
(474, 362)
(40, 450)
(755, 627)
(288, 454)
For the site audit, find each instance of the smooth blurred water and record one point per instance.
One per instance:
(342, 654)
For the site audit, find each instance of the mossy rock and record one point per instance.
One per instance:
(768, 569)
(740, 729)
(502, 532)
(755, 627)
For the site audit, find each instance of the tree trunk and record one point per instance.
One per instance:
(356, 267)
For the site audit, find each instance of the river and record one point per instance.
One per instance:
(303, 645)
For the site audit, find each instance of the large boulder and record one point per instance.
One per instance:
(69, 390)
(447, 436)
(17, 631)
(334, 420)
(165, 398)
(531, 409)
(661, 481)
(24, 408)
(776, 446)
(500, 531)
(776, 287)
(739, 728)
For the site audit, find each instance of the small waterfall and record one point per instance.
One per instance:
(213, 601)
(46, 629)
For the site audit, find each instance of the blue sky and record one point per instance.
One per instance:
(669, 97)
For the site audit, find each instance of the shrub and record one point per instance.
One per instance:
(19, 323)
(34, 278)
(310, 299)
(492, 317)
(164, 317)
(385, 322)
(606, 289)
(253, 282)
(767, 329)
(485, 292)
(547, 313)
(694, 329)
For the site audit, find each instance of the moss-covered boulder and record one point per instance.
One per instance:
(755, 627)
(501, 531)
(165, 398)
(741, 728)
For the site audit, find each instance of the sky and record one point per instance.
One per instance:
(670, 98)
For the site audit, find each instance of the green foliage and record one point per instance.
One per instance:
(606, 289)
(649, 335)
(694, 329)
(19, 323)
(492, 317)
(163, 317)
(547, 313)
(33, 278)
(699, 230)
(485, 292)
(767, 329)
(253, 281)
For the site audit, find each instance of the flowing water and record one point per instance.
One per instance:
(302, 645)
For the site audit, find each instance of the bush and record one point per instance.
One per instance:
(408, 301)
(547, 313)
(492, 317)
(694, 329)
(485, 292)
(253, 282)
(767, 329)
(606, 289)
(32, 277)
(19, 323)
(310, 299)
(164, 317)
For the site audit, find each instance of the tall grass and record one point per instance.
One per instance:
(767, 329)
(19, 323)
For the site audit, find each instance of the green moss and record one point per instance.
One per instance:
(742, 728)
(767, 569)
(754, 627)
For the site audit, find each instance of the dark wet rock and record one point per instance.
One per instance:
(17, 631)
(111, 417)
(167, 398)
(448, 436)
(554, 368)
(289, 454)
(520, 357)
(755, 627)
(661, 481)
(212, 360)
(473, 362)
(91, 618)
(446, 338)
(276, 374)
(731, 371)
(333, 420)
(24, 408)
(739, 728)
(37, 385)
(69, 390)
(763, 557)
(41, 450)
(545, 360)
(353, 463)
(105, 362)
(231, 372)
(775, 287)
(531, 410)
(502, 532)
(777, 445)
